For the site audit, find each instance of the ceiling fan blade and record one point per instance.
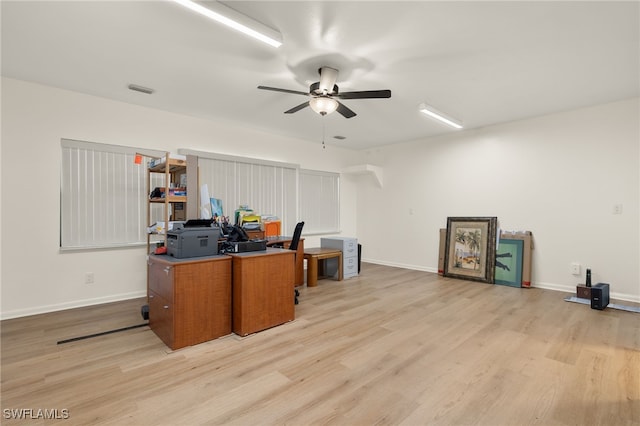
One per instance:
(297, 108)
(276, 89)
(346, 112)
(328, 77)
(365, 94)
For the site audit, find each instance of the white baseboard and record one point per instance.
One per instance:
(17, 313)
(546, 286)
(402, 265)
(572, 289)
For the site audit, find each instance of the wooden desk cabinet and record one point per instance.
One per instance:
(263, 290)
(189, 299)
(285, 241)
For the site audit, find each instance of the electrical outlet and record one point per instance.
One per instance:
(88, 278)
(575, 268)
(617, 209)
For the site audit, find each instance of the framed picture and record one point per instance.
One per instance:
(509, 262)
(216, 207)
(470, 250)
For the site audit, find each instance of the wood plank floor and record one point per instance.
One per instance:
(392, 346)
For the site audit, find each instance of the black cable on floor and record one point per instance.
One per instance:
(74, 339)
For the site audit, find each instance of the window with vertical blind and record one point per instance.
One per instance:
(320, 201)
(273, 188)
(267, 187)
(103, 195)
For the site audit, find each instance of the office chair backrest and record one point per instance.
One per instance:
(296, 236)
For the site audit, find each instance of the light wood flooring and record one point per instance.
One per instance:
(392, 346)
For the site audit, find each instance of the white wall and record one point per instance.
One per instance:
(36, 276)
(558, 176)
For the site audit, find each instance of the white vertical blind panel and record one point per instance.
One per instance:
(320, 201)
(244, 195)
(267, 189)
(103, 196)
(289, 201)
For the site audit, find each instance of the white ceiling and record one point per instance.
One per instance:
(480, 62)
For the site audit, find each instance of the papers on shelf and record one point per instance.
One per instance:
(157, 161)
(158, 227)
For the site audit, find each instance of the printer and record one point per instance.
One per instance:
(193, 242)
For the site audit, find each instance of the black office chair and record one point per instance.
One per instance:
(294, 246)
(296, 236)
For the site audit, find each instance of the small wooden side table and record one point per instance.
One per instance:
(314, 254)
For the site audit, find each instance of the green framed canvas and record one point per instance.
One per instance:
(509, 262)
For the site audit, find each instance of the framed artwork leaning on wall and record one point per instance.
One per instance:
(470, 251)
(509, 262)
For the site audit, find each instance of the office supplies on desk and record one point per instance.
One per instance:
(198, 223)
(271, 226)
(205, 204)
(216, 207)
(249, 219)
(245, 246)
(235, 233)
(241, 211)
(193, 242)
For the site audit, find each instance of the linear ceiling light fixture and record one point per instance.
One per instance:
(231, 18)
(434, 113)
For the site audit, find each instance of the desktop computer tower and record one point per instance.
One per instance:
(599, 296)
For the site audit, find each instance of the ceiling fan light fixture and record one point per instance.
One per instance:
(323, 105)
(443, 118)
(236, 20)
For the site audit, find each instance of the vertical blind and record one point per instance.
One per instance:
(103, 195)
(320, 201)
(273, 188)
(269, 188)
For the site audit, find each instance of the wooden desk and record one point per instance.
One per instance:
(262, 288)
(313, 255)
(189, 299)
(285, 241)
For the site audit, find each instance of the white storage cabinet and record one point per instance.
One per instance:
(349, 247)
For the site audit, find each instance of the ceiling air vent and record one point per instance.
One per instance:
(141, 89)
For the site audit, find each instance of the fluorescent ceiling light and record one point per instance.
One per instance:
(434, 113)
(229, 17)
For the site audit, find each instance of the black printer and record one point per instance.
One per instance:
(193, 241)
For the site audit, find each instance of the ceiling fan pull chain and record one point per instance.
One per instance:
(323, 122)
